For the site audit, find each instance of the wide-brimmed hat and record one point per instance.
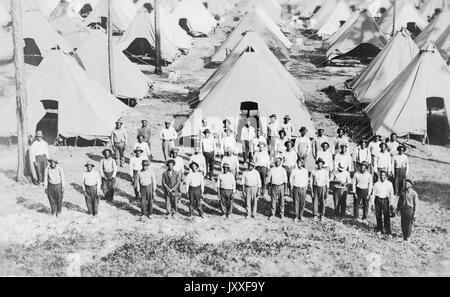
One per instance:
(273, 116)
(107, 150)
(171, 161)
(383, 144)
(341, 166)
(226, 165)
(287, 117)
(279, 157)
(138, 150)
(262, 144)
(52, 160)
(119, 122)
(207, 131)
(410, 181)
(289, 142)
(303, 130)
(365, 164)
(383, 171)
(325, 143)
(251, 163)
(320, 129)
(401, 147)
(89, 163)
(194, 164)
(39, 134)
(145, 163)
(320, 161)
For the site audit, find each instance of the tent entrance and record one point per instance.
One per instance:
(85, 11)
(413, 29)
(140, 51)
(32, 52)
(250, 111)
(49, 123)
(437, 122)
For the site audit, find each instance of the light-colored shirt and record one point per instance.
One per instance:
(299, 178)
(383, 190)
(290, 158)
(195, 180)
(255, 143)
(147, 178)
(251, 178)
(344, 159)
(233, 161)
(262, 159)
(209, 145)
(317, 144)
(384, 161)
(341, 179)
(229, 142)
(363, 155)
(168, 134)
(200, 160)
(143, 146)
(327, 157)
(179, 164)
(226, 181)
(303, 146)
(392, 147)
(248, 134)
(108, 166)
(92, 179)
(280, 145)
(136, 164)
(54, 176)
(363, 181)
(374, 147)
(119, 135)
(400, 161)
(146, 132)
(277, 176)
(38, 148)
(273, 129)
(321, 178)
(338, 141)
(288, 128)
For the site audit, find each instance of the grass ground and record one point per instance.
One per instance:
(117, 243)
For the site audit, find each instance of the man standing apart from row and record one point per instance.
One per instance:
(320, 183)
(171, 182)
(277, 181)
(119, 139)
(108, 172)
(195, 183)
(91, 188)
(247, 135)
(54, 183)
(168, 136)
(39, 156)
(226, 187)
(147, 188)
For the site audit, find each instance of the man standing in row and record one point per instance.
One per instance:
(119, 139)
(362, 188)
(277, 181)
(146, 132)
(135, 168)
(39, 155)
(383, 193)
(251, 189)
(299, 181)
(273, 130)
(247, 135)
(199, 159)
(171, 182)
(195, 183)
(320, 183)
(341, 180)
(290, 158)
(147, 188)
(262, 164)
(209, 152)
(407, 206)
(142, 145)
(54, 183)
(108, 172)
(226, 187)
(91, 188)
(168, 136)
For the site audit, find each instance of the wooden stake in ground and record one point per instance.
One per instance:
(21, 92)
(158, 60)
(110, 49)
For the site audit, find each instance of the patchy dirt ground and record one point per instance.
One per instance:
(118, 244)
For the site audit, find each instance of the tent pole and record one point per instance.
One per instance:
(21, 93)
(158, 61)
(110, 49)
(395, 15)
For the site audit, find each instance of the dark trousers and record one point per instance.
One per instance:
(340, 201)
(263, 175)
(319, 200)
(288, 173)
(147, 200)
(40, 165)
(407, 217)
(209, 158)
(171, 203)
(299, 201)
(119, 152)
(251, 200)
(226, 201)
(108, 185)
(383, 215)
(195, 199)
(361, 197)
(399, 180)
(277, 195)
(136, 186)
(167, 148)
(246, 153)
(92, 199)
(55, 197)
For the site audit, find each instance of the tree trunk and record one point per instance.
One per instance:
(21, 92)
(110, 49)
(158, 61)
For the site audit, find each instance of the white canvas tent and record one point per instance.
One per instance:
(129, 81)
(405, 13)
(5, 17)
(199, 19)
(429, 8)
(438, 31)
(333, 21)
(122, 12)
(271, 7)
(259, 22)
(392, 60)
(250, 75)
(402, 107)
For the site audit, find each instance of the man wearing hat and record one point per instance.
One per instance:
(231, 160)
(383, 161)
(146, 181)
(340, 180)
(383, 195)
(195, 187)
(54, 183)
(168, 135)
(362, 187)
(91, 188)
(171, 183)
(400, 164)
(344, 158)
(226, 187)
(142, 145)
(135, 168)
(39, 155)
(209, 148)
(303, 147)
(287, 127)
(251, 188)
(146, 132)
(179, 161)
(259, 137)
(229, 141)
(407, 205)
(290, 158)
(318, 141)
(247, 135)
(277, 180)
(327, 156)
(108, 173)
(280, 146)
(198, 158)
(340, 140)
(273, 130)
(320, 184)
(362, 154)
(299, 181)
(393, 144)
(374, 148)
(262, 164)
(119, 138)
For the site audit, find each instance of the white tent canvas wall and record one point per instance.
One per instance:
(5, 17)
(85, 108)
(438, 31)
(334, 20)
(251, 77)
(122, 12)
(271, 7)
(199, 19)
(429, 8)
(405, 13)
(129, 81)
(259, 22)
(402, 107)
(391, 61)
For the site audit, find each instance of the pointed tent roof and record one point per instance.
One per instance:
(36, 5)
(37, 28)
(307, 8)
(122, 13)
(374, 6)
(397, 54)
(198, 16)
(330, 41)
(63, 8)
(259, 22)
(271, 7)
(332, 22)
(405, 13)
(443, 43)
(129, 81)
(85, 108)
(250, 74)
(362, 30)
(323, 12)
(402, 107)
(438, 31)
(428, 9)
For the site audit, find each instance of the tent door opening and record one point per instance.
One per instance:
(249, 111)
(32, 52)
(437, 122)
(49, 123)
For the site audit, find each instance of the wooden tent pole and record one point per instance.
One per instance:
(395, 15)
(158, 60)
(21, 93)
(110, 49)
